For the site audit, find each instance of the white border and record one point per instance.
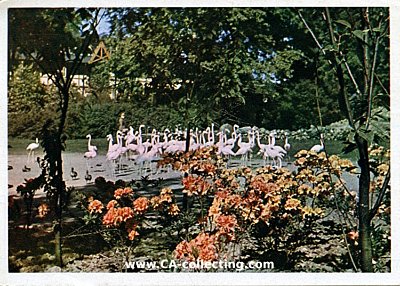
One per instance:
(392, 278)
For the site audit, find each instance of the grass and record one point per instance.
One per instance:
(18, 146)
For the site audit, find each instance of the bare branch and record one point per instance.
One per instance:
(382, 192)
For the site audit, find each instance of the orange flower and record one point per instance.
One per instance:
(132, 234)
(202, 247)
(141, 205)
(227, 225)
(123, 214)
(304, 189)
(353, 235)
(122, 192)
(108, 218)
(96, 206)
(155, 202)
(166, 195)
(292, 204)
(215, 208)
(173, 210)
(301, 161)
(189, 184)
(43, 210)
(207, 168)
(182, 250)
(195, 185)
(115, 216)
(227, 222)
(234, 200)
(266, 213)
(111, 204)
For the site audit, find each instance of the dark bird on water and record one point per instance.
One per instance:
(74, 174)
(10, 167)
(88, 177)
(26, 169)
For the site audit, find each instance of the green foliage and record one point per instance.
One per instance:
(101, 119)
(29, 103)
(217, 56)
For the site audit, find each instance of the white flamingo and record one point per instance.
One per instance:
(232, 140)
(90, 147)
(31, 149)
(287, 146)
(318, 148)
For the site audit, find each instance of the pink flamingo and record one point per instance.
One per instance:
(244, 148)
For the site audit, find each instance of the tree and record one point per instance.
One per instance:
(56, 41)
(29, 103)
(219, 57)
(357, 48)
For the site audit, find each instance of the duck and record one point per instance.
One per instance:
(88, 177)
(26, 169)
(74, 174)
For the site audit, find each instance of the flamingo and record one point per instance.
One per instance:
(273, 151)
(92, 151)
(318, 148)
(114, 150)
(111, 147)
(272, 143)
(130, 136)
(262, 147)
(244, 148)
(287, 146)
(31, 149)
(89, 155)
(227, 150)
(90, 147)
(232, 140)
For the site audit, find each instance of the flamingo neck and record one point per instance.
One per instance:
(273, 140)
(258, 140)
(110, 142)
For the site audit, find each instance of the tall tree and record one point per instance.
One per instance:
(355, 42)
(215, 56)
(56, 41)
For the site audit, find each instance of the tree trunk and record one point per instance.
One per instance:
(363, 206)
(60, 185)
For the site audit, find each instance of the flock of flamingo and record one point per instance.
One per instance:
(144, 149)
(238, 142)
